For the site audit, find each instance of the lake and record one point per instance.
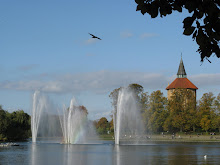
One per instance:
(106, 153)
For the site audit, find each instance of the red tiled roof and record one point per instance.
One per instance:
(181, 83)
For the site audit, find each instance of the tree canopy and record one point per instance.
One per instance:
(203, 24)
(181, 113)
(155, 114)
(15, 125)
(102, 125)
(206, 111)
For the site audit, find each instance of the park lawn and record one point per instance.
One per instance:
(106, 137)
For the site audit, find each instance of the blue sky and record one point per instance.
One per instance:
(45, 45)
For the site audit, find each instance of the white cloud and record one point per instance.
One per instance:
(206, 80)
(148, 35)
(126, 34)
(103, 82)
(98, 82)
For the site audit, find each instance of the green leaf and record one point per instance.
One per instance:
(163, 11)
(197, 24)
(200, 14)
(188, 31)
(191, 5)
(188, 21)
(217, 36)
(144, 9)
(194, 34)
(154, 10)
(200, 38)
(177, 7)
(216, 26)
(139, 1)
(139, 7)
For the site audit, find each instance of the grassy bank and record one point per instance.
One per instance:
(176, 138)
(186, 138)
(106, 137)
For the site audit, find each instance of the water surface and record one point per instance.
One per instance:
(107, 153)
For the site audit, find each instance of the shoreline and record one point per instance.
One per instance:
(170, 138)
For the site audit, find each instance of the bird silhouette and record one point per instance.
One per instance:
(93, 36)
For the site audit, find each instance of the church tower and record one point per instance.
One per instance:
(181, 82)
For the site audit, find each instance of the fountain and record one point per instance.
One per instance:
(39, 103)
(74, 127)
(70, 124)
(128, 125)
(73, 123)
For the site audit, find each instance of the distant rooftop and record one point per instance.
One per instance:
(182, 83)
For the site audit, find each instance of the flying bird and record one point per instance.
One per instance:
(95, 36)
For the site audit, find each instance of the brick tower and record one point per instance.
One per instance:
(181, 82)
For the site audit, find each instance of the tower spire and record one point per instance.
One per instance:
(181, 71)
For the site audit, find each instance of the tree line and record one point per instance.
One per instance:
(181, 113)
(15, 125)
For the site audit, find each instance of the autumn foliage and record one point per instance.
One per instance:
(182, 113)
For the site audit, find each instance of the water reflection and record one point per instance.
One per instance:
(134, 154)
(117, 155)
(171, 154)
(33, 153)
(158, 153)
(181, 155)
(70, 154)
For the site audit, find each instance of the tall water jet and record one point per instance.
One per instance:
(39, 104)
(74, 124)
(71, 124)
(128, 123)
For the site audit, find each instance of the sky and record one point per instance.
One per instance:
(45, 46)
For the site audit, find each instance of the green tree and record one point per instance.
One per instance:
(114, 96)
(81, 108)
(168, 124)
(3, 123)
(181, 108)
(95, 122)
(144, 102)
(19, 126)
(102, 126)
(144, 108)
(15, 125)
(136, 88)
(217, 112)
(84, 109)
(111, 126)
(157, 111)
(206, 111)
(192, 116)
(191, 112)
(203, 24)
(176, 111)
